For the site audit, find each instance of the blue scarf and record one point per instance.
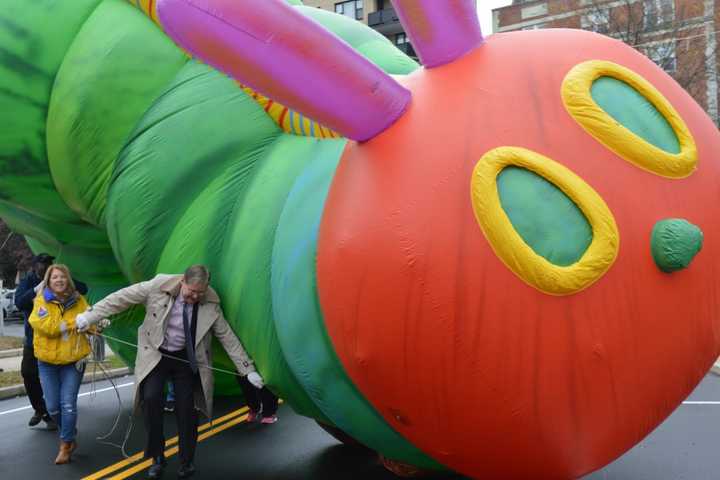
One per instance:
(49, 296)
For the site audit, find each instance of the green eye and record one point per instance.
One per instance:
(634, 112)
(628, 115)
(546, 219)
(542, 220)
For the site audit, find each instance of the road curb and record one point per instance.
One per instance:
(14, 352)
(17, 390)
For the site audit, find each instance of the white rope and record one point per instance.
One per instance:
(103, 438)
(199, 365)
(97, 357)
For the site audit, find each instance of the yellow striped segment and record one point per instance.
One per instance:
(289, 120)
(148, 7)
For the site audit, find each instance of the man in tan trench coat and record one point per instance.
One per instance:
(177, 308)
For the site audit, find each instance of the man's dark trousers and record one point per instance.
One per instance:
(153, 399)
(31, 378)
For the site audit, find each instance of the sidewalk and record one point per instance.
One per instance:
(14, 329)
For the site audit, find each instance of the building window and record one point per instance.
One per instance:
(538, 10)
(352, 9)
(658, 12)
(400, 38)
(535, 26)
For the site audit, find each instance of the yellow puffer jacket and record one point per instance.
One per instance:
(56, 340)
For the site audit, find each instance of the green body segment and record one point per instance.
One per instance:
(634, 112)
(34, 39)
(103, 77)
(546, 219)
(156, 162)
(299, 320)
(247, 253)
(200, 124)
(215, 206)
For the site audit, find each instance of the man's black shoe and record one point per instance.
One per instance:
(51, 425)
(35, 419)
(186, 470)
(156, 469)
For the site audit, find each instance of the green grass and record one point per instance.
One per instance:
(10, 378)
(112, 362)
(10, 343)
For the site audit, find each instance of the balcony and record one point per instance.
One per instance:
(407, 49)
(385, 21)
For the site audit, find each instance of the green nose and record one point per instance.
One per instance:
(674, 243)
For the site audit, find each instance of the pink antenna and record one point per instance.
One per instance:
(274, 49)
(440, 30)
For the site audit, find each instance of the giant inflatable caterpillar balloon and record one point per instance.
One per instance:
(509, 253)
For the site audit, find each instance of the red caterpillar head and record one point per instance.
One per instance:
(493, 258)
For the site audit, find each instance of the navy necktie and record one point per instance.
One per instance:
(189, 346)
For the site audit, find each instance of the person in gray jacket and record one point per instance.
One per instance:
(174, 342)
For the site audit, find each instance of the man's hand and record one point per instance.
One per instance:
(39, 287)
(82, 323)
(255, 379)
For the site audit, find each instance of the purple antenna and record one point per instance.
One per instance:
(274, 49)
(440, 30)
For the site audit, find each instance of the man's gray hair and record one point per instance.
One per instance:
(197, 274)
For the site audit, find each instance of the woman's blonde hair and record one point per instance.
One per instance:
(63, 268)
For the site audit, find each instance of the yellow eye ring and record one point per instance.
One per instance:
(509, 246)
(576, 95)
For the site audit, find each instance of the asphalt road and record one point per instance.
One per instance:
(684, 447)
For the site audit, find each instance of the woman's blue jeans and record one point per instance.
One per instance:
(61, 384)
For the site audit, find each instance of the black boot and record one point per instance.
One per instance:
(186, 470)
(156, 469)
(35, 419)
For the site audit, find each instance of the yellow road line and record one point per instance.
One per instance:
(173, 450)
(138, 456)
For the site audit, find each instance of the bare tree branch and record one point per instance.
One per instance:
(663, 30)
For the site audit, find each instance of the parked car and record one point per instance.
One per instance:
(7, 303)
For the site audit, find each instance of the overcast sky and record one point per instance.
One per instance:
(485, 12)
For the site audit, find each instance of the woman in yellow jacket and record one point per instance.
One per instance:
(60, 350)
